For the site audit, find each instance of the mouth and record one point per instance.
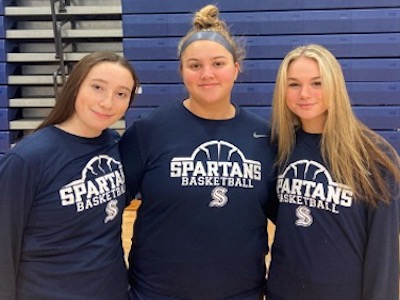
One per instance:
(101, 115)
(208, 85)
(306, 105)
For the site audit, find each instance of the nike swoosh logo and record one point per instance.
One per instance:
(257, 136)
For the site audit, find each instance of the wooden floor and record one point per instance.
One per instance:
(127, 230)
(128, 218)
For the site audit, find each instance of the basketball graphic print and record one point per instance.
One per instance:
(218, 151)
(308, 170)
(217, 164)
(309, 185)
(102, 181)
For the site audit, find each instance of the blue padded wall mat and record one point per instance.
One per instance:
(374, 93)
(158, 94)
(393, 137)
(243, 94)
(376, 118)
(270, 23)
(379, 117)
(342, 46)
(361, 93)
(155, 6)
(265, 70)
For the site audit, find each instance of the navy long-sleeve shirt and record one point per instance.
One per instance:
(329, 245)
(61, 204)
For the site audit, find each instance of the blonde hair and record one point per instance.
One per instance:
(207, 19)
(357, 156)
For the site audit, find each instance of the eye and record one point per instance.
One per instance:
(96, 87)
(293, 85)
(194, 66)
(317, 83)
(219, 64)
(122, 95)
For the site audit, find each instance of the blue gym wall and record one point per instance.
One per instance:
(363, 34)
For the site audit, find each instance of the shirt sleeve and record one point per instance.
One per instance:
(17, 185)
(381, 262)
(273, 201)
(131, 156)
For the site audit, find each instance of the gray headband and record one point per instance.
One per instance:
(209, 36)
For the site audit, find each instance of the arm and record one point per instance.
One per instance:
(381, 262)
(273, 201)
(132, 160)
(17, 190)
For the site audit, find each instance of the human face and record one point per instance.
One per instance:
(304, 94)
(209, 72)
(102, 99)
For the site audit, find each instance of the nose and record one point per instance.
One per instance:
(305, 92)
(107, 101)
(207, 72)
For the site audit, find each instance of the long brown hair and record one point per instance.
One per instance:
(356, 155)
(65, 100)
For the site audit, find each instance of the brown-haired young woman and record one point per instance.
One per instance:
(203, 167)
(63, 192)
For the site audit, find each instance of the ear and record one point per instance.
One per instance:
(237, 70)
(180, 69)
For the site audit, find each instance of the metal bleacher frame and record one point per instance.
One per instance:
(62, 27)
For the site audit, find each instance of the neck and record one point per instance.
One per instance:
(225, 111)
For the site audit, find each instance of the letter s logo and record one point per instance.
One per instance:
(219, 197)
(304, 216)
(111, 210)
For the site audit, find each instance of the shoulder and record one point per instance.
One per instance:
(167, 114)
(253, 117)
(254, 122)
(163, 112)
(31, 150)
(36, 143)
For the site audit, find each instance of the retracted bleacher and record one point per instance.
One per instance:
(7, 114)
(363, 34)
(28, 59)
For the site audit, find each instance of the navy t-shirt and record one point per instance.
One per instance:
(200, 231)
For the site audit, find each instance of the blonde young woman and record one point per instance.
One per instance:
(337, 231)
(204, 169)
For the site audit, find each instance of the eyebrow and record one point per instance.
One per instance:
(105, 81)
(212, 58)
(314, 78)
